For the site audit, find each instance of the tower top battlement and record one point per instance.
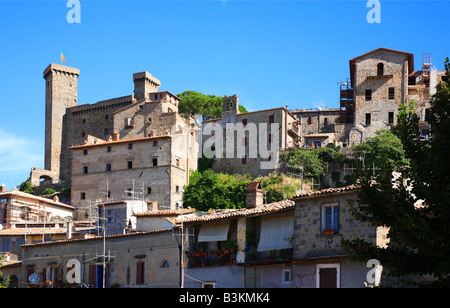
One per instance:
(62, 69)
(144, 83)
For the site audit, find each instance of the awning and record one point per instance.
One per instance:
(276, 232)
(214, 232)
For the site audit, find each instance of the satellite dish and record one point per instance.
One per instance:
(34, 278)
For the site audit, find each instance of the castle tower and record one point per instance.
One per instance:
(144, 83)
(61, 91)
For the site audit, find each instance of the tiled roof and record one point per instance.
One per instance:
(32, 231)
(40, 231)
(328, 191)
(98, 237)
(164, 213)
(225, 214)
(16, 192)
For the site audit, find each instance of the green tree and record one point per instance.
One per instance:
(313, 161)
(278, 187)
(3, 283)
(209, 190)
(208, 106)
(27, 187)
(385, 151)
(416, 204)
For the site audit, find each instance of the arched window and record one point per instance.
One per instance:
(380, 69)
(165, 264)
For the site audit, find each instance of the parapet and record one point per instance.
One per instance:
(61, 69)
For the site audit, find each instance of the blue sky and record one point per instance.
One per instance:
(269, 53)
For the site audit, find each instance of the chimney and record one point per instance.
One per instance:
(116, 136)
(55, 198)
(152, 205)
(69, 229)
(2, 188)
(254, 196)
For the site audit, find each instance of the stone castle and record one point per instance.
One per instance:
(134, 136)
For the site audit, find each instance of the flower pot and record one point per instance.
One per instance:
(329, 231)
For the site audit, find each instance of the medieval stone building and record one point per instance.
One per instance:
(138, 138)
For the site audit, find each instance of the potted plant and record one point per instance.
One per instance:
(329, 231)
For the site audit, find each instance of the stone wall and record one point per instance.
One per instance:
(61, 92)
(310, 241)
(152, 248)
(394, 75)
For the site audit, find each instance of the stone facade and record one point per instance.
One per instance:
(256, 135)
(140, 260)
(147, 114)
(380, 80)
(150, 168)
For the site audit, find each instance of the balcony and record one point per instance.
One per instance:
(293, 129)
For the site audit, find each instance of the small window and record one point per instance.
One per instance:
(271, 118)
(106, 132)
(177, 188)
(106, 117)
(244, 160)
(83, 134)
(130, 146)
(165, 264)
(391, 93)
(85, 152)
(130, 164)
(155, 143)
(155, 162)
(177, 162)
(326, 121)
(108, 149)
(368, 94)
(286, 276)
(83, 196)
(141, 107)
(149, 190)
(391, 117)
(108, 167)
(85, 169)
(6, 245)
(368, 118)
(380, 69)
(330, 219)
(84, 121)
(244, 122)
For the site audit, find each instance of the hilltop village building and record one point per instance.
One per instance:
(126, 160)
(133, 146)
(263, 134)
(380, 80)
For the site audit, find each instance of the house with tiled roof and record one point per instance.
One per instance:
(223, 247)
(137, 260)
(287, 244)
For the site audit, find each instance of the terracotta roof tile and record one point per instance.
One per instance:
(328, 191)
(224, 214)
